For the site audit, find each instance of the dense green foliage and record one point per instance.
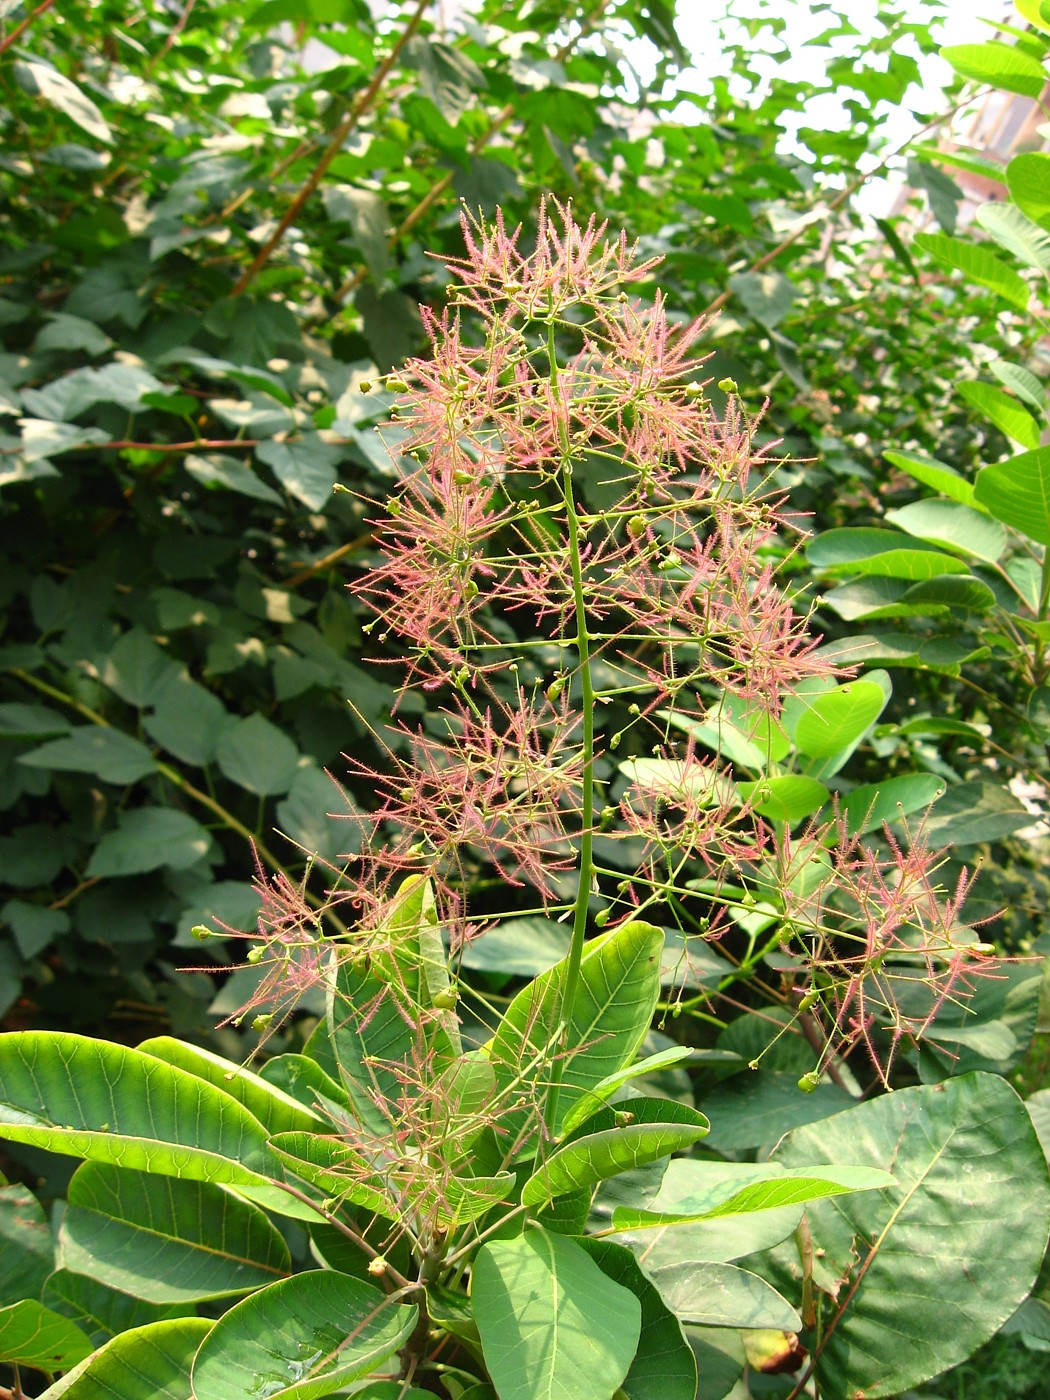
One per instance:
(218, 240)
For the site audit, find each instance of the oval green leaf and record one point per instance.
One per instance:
(1002, 65)
(1017, 233)
(952, 525)
(166, 1240)
(551, 1322)
(88, 1098)
(934, 1280)
(839, 718)
(978, 264)
(659, 1127)
(300, 1339)
(664, 1367)
(145, 1363)
(1001, 410)
(930, 472)
(1028, 180)
(1017, 492)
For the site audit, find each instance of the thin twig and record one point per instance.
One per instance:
(333, 148)
(20, 29)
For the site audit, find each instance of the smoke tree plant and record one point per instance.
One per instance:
(449, 1192)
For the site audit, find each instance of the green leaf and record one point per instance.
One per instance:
(87, 1098)
(188, 721)
(1003, 411)
(789, 798)
(28, 1255)
(149, 838)
(369, 219)
(299, 1339)
(1017, 233)
(1023, 383)
(518, 947)
(551, 1322)
(883, 552)
(838, 719)
(166, 1240)
(146, 1363)
(755, 1108)
(305, 467)
(100, 1312)
(953, 525)
(58, 92)
(978, 264)
(258, 756)
(867, 807)
(228, 473)
(32, 1335)
(1017, 492)
(766, 296)
(930, 472)
(107, 753)
(969, 813)
(722, 1295)
(138, 669)
(21, 721)
(34, 926)
(589, 1104)
(1028, 180)
(64, 332)
(705, 1191)
(275, 1110)
(336, 1169)
(933, 1279)
(1002, 65)
(663, 1367)
(949, 594)
(659, 1128)
(618, 990)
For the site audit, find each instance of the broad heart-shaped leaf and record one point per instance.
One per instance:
(1002, 410)
(258, 756)
(275, 1109)
(305, 467)
(932, 473)
(618, 990)
(166, 1240)
(551, 1322)
(1017, 233)
(1017, 492)
(710, 1190)
(299, 1339)
(1002, 65)
(643, 1130)
(663, 1367)
(882, 552)
(1028, 180)
(953, 525)
(149, 838)
(109, 754)
(88, 1098)
(32, 1335)
(979, 264)
(146, 1363)
(942, 1259)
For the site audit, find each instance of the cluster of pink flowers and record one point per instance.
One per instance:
(566, 495)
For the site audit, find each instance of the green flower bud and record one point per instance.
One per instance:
(262, 1023)
(256, 955)
(809, 1081)
(728, 386)
(202, 931)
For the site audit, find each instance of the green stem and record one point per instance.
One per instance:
(586, 857)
